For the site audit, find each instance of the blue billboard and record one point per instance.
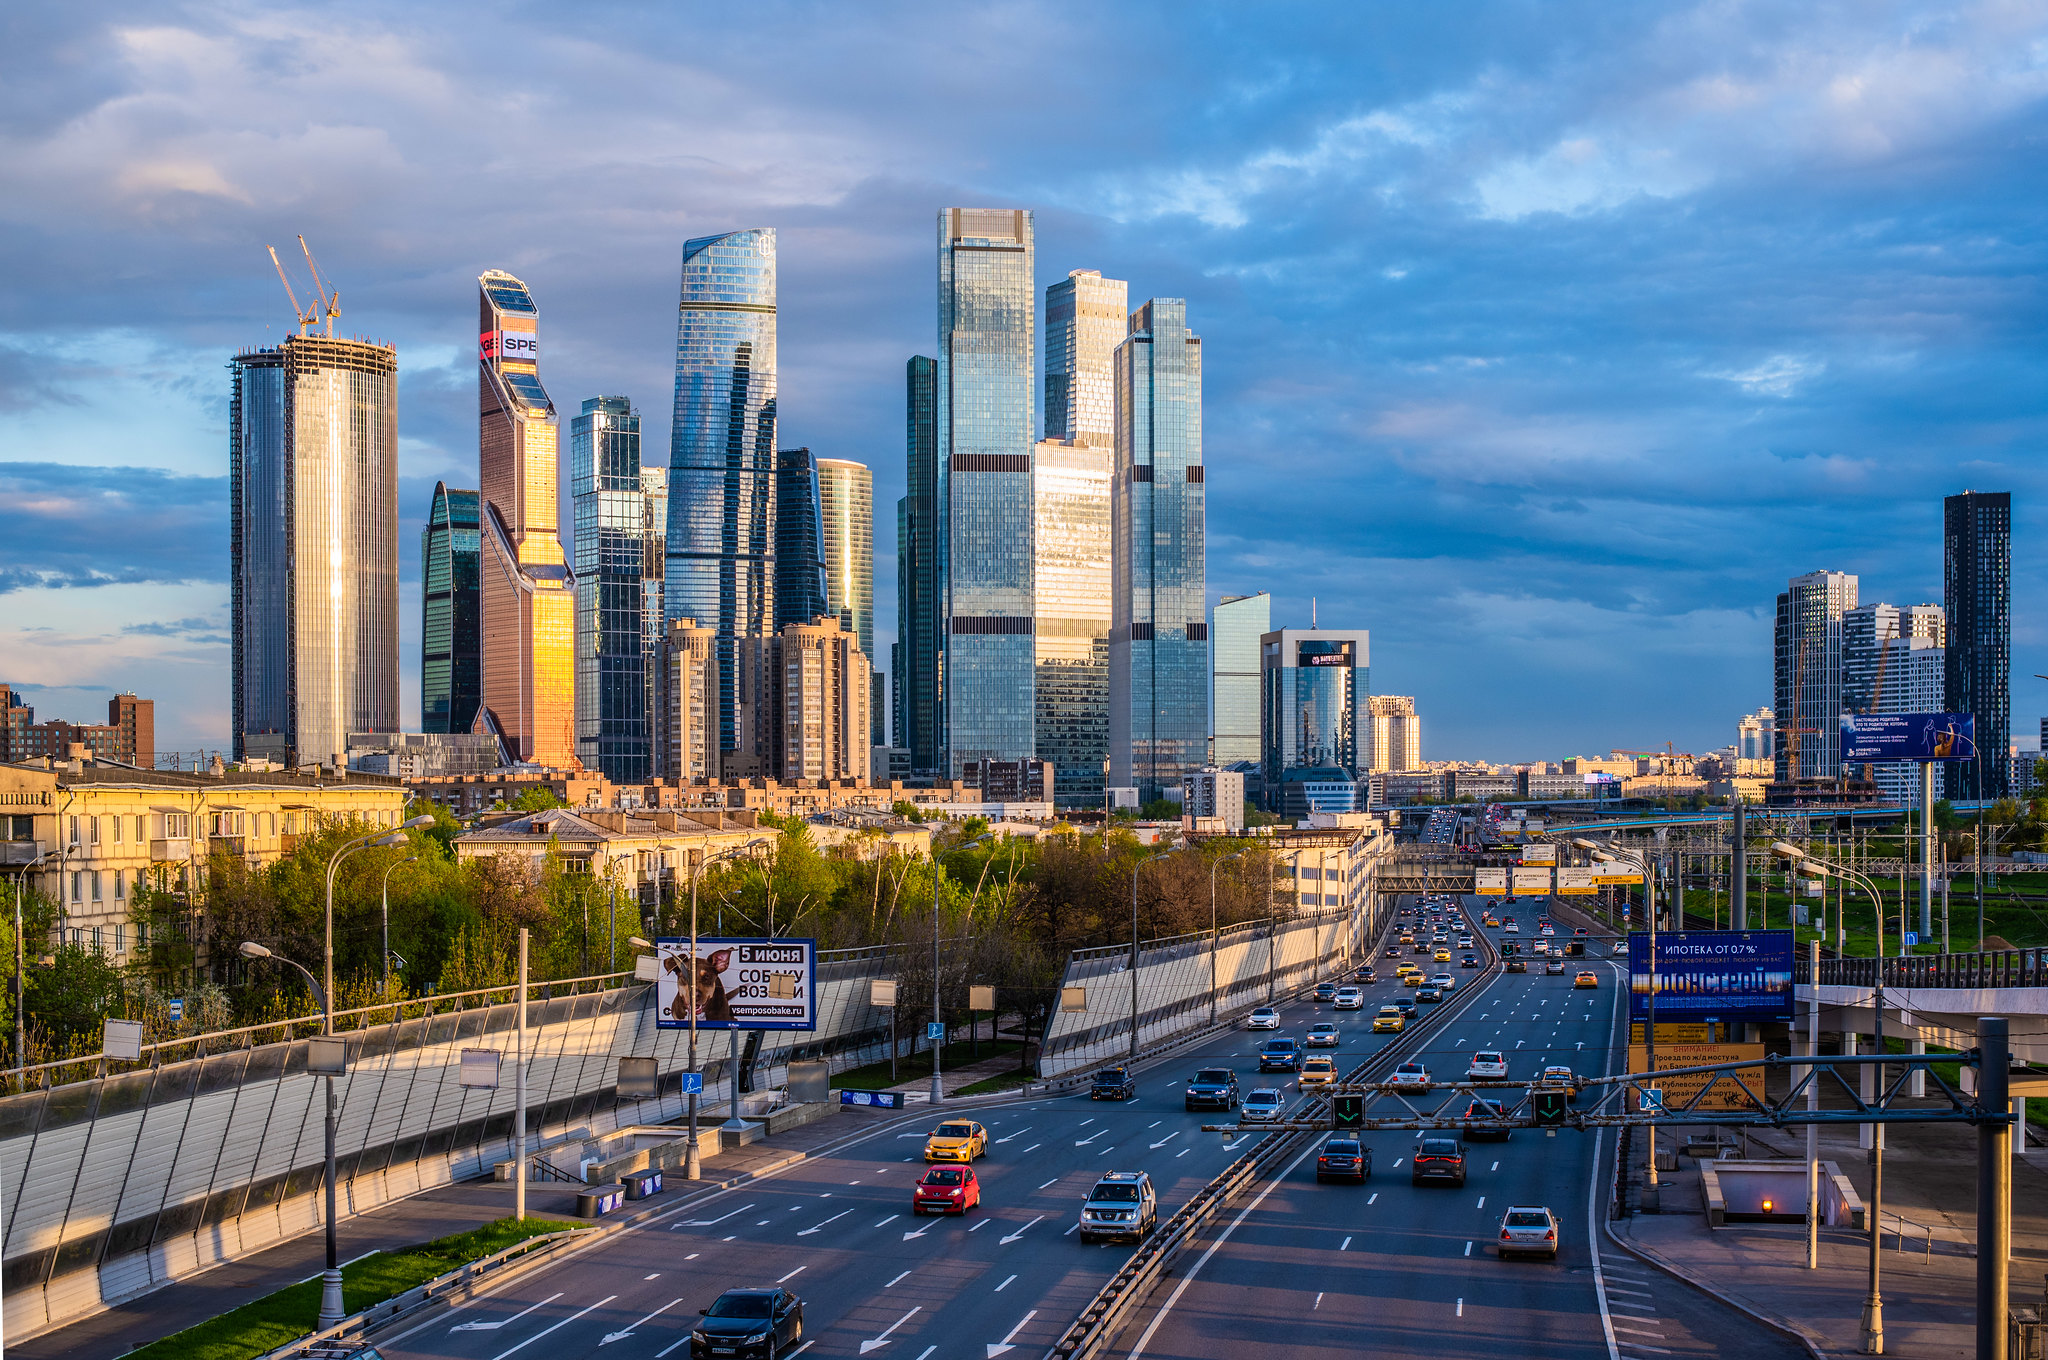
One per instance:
(1712, 975)
(1878, 738)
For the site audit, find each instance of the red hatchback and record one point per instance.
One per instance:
(946, 1190)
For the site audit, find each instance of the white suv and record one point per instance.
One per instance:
(1487, 1065)
(1122, 1204)
(1528, 1230)
(1265, 1017)
(1350, 999)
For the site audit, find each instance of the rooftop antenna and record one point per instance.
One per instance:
(1312, 625)
(330, 304)
(305, 316)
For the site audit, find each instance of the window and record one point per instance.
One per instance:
(117, 828)
(92, 830)
(77, 884)
(120, 938)
(74, 831)
(119, 894)
(141, 827)
(96, 885)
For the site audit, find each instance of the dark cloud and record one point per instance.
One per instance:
(101, 526)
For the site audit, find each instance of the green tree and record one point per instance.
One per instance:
(540, 798)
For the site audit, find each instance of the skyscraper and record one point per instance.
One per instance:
(916, 660)
(1875, 638)
(1159, 636)
(529, 596)
(800, 593)
(1315, 691)
(1070, 532)
(451, 579)
(846, 509)
(1976, 531)
(653, 601)
(1808, 674)
(313, 546)
(721, 478)
(614, 730)
(1396, 733)
(1086, 318)
(1235, 627)
(983, 416)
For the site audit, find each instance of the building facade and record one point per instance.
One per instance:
(799, 539)
(614, 730)
(1086, 318)
(805, 709)
(1756, 739)
(128, 735)
(1071, 578)
(846, 509)
(1976, 530)
(984, 411)
(451, 623)
(687, 699)
(529, 593)
(313, 546)
(1314, 688)
(1874, 636)
(916, 661)
(720, 567)
(1159, 633)
(1235, 627)
(1396, 732)
(1807, 689)
(1212, 792)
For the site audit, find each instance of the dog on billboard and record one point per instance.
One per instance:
(700, 985)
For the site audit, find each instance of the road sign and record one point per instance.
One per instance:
(177, 1005)
(639, 1078)
(693, 1083)
(981, 998)
(1490, 882)
(880, 1100)
(479, 1070)
(881, 992)
(1912, 938)
(1653, 1100)
(1724, 1095)
(1347, 1112)
(1547, 1107)
(1073, 998)
(933, 1029)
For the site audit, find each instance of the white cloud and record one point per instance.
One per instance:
(1776, 376)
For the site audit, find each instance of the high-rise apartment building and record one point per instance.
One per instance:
(313, 546)
(614, 729)
(1755, 740)
(1071, 577)
(916, 661)
(1314, 688)
(799, 539)
(721, 474)
(1915, 681)
(846, 509)
(820, 725)
(1396, 733)
(1873, 637)
(1235, 627)
(1807, 689)
(983, 416)
(529, 593)
(1086, 318)
(1159, 634)
(1976, 532)
(686, 700)
(451, 624)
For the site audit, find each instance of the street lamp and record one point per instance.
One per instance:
(20, 997)
(386, 991)
(1135, 868)
(330, 1289)
(938, 1024)
(1214, 865)
(693, 1165)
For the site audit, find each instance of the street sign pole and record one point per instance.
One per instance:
(1926, 849)
(1994, 1186)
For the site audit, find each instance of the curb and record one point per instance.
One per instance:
(1777, 1324)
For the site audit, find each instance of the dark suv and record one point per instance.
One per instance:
(1280, 1055)
(1438, 1160)
(1344, 1158)
(1326, 991)
(1484, 1109)
(1212, 1088)
(1113, 1083)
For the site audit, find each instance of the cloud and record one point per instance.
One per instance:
(1775, 376)
(80, 528)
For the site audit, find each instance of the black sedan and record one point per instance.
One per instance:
(748, 1323)
(1344, 1158)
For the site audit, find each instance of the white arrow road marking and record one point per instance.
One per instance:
(1033, 1148)
(1024, 1130)
(919, 1233)
(834, 1219)
(563, 1323)
(494, 1326)
(996, 1348)
(1021, 1231)
(620, 1336)
(883, 1340)
(1167, 1139)
(792, 1274)
(1520, 1042)
(1580, 1044)
(712, 1222)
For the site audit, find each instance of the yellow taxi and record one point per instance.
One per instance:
(1403, 968)
(1388, 1020)
(956, 1140)
(1443, 956)
(1489, 920)
(1415, 979)
(1317, 1072)
(1586, 979)
(1407, 937)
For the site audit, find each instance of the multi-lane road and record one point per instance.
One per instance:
(1295, 1267)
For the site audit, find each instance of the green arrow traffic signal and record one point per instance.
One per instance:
(1547, 1106)
(1347, 1112)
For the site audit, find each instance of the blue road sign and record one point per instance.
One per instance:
(934, 1030)
(1912, 938)
(693, 1083)
(881, 1100)
(1653, 1100)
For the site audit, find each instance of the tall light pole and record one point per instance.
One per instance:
(938, 1024)
(1214, 865)
(1135, 868)
(1641, 864)
(386, 910)
(330, 1290)
(20, 996)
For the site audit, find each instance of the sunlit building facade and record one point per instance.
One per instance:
(917, 659)
(1086, 318)
(846, 510)
(1071, 576)
(451, 578)
(1235, 627)
(614, 731)
(313, 546)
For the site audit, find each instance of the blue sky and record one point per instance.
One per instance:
(1544, 340)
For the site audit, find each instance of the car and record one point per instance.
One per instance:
(1558, 1075)
(1469, 961)
(1515, 963)
(1550, 930)
(1122, 1204)
(1368, 973)
(1393, 951)
(1437, 1160)
(946, 1190)
(1620, 947)
(1113, 1083)
(1539, 949)
(1262, 1017)
(1411, 1073)
(1586, 978)
(1484, 1109)
(1280, 1055)
(1554, 966)
(956, 1140)
(1405, 1005)
(1316, 1072)
(1442, 956)
(1444, 982)
(1487, 1064)
(1344, 1158)
(1429, 996)
(1389, 1020)
(1350, 999)
(1464, 942)
(1212, 1088)
(1324, 1035)
(1580, 932)
(1422, 949)
(1510, 929)
(1262, 1106)
(745, 1323)
(1528, 1230)
(1407, 937)
(1326, 991)
(1404, 968)
(1414, 979)
(1489, 920)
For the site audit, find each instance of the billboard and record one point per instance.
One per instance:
(1724, 1095)
(1543, 852)
(518, 346)
(1532, 882)
(1878, 738)
(1718, 975)
(746, 983)
(1575, 882)
(1614, 875)
(1490, 882)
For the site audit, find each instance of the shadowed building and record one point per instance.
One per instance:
(451, 549)
(1976, 530)
(1235, 627)
(846, 514)
(614, 732)
(918, 655)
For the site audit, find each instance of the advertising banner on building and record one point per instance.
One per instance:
(1490, 882)
(1878, 738)
(518, 346)
(1679, 1092)
(1532, 882)
(1575, 882)
(1716, 975)
(1542, 852)
(737, 983)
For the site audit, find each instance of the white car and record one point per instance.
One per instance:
(1265, 1017)
(1262, 1106)
(1528, 1230)
(1324, 1035)
(1511, 929)
(1488, 1064)
(1411, 1074)
(1550, 930)
(1350, 999)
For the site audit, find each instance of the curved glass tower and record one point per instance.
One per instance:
(450, 546)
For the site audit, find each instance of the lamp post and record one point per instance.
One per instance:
(330, 1289)
(1214, 865)
(1641, 864)
(386, 989)
(938, 1024)
(20, 996)
(1135, 868)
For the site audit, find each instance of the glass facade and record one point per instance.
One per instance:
(1159, 636)
(653, 608)
(846, 508)
(1086, 317)
(800, 593)
(451, 548)
(614, 731)
(1977, 588)
(313, 544)
(916, 664)
(1315, 690)
(1235, 627)
(985, 413)
(1070, 488)
(720, 565)
(1807, 666)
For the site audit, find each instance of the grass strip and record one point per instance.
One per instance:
(918, 1066)
(278, 1319)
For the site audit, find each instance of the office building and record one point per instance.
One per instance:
(127, 736)
(984, 413)
(425, 755)
(1304, 790)
(451, 625)
(917, 658)
(846, 509)
(1071, 578)
(1159, 633)
(1396, 733)
(313, 546)
(722, 467)
(687, 703)
(1314, 684)
(1756, 738)
(653, 599)
(1873, 637)
(1086, 318)
(1807, 681)
(614, 730)
(1235, 627)
(799, 539)
(1976, 531)
(1011, 781)
(805, 703)
(1213, 793)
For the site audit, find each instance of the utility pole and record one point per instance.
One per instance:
(519, 1093)
(1813, 1104)
(1994, 1185)
(1926, 851)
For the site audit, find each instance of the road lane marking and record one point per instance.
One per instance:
(1468, 1248)
(1630, 1324)
(692, 1256)
(1461, 1308)
(1024, 1130)
(1612, 1289)
(883, 1339)
(820, 1227)
(1496, 1166)
(1398, 1161)
(1021, 1231)
(1344, 1244)
(1033, 1148)
(1482, 1201)
(1054, 1181)
(1006, 1284)
(792, 1275)
(766, 1221)
(898, 1280)
(714, 1222)
(1319, 1300)
(622, 1335)
(729, 1239)
(563, 1323)
(655, 1276)
(1375, 1195)
(1070, 1231)
(1155, 1123)
(1167, 1139)
(983, 1224)
(926, 1352)
(887, 1221)
(1183, 1152)
(996, 1348)
(494, 1326)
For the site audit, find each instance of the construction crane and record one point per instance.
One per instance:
(328, 306)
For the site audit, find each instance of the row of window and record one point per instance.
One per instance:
(97, 938)
(177, 826)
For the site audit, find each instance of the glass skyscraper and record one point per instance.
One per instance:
(916, 660)
(1315, 688)
(313, 544)
(1086, 318)
(846, 509)
(529, 600)
(451, 548)
(1159, 636)
(800, 593)
(984, 416)
(1070, 488)
(721, 471)
(614, 730)
(1976, 531)
(1807, 673)
(1235, 627)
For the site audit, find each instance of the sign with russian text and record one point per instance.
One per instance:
(1879, 738)
(1532, 882)
(1490, 882)
(1575, 882)
(1540, 852)
(1716, 975)
(1724, 1095)
(741, 983)
(1611, 876)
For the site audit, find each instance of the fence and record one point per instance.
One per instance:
(1995, 968)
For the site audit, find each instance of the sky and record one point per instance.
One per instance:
(1546, 341)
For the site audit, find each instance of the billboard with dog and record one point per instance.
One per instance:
(749, 983)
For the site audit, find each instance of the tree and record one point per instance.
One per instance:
(540, 798)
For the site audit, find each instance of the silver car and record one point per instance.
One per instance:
(1265, 1017)
(1262, 1106)
(1528, 1230)
(1122, 1204)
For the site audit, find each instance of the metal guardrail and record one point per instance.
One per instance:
(1993, 968)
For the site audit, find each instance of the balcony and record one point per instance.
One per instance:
(16, 853)
(169, 851)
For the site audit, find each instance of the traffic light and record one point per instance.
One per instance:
(1347, 1112)
(1548, 1107)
